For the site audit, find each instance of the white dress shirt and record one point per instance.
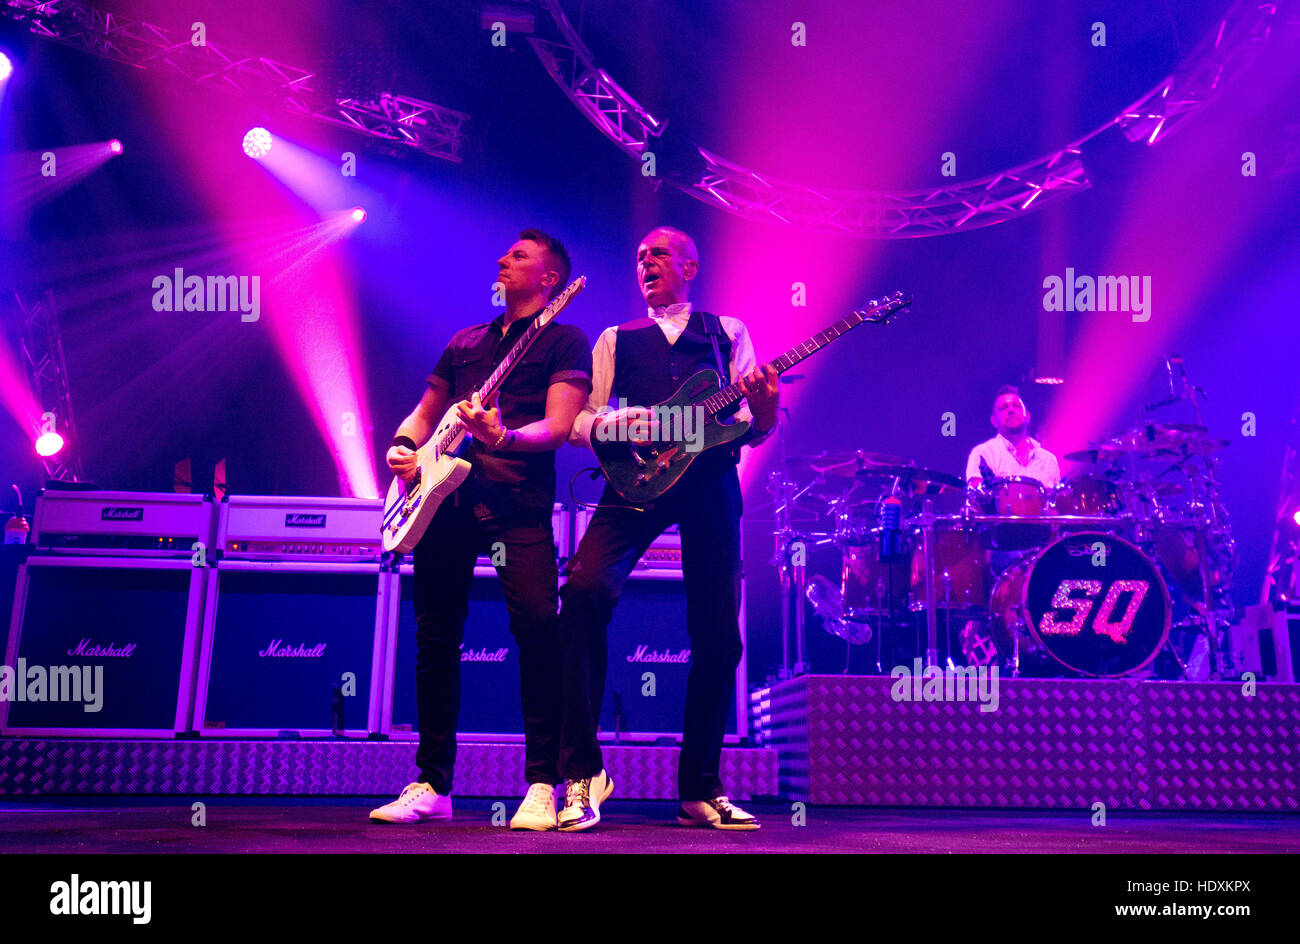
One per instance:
(672, 319)
(1000, 453)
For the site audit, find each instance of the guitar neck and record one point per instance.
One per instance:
(730, 394)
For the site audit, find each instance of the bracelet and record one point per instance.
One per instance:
(505, 434)
(406, 441)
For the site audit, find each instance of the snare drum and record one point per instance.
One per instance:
(1086, 495)
(1018, 495)
(1090, 602)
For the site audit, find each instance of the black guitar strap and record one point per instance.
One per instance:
(713, 328)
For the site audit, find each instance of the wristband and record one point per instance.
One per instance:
(406, 441)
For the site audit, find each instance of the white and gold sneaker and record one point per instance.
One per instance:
(582, 800)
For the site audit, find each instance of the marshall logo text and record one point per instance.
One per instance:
(301, 520)
(121, 514)
(646, 654)
(278, 649)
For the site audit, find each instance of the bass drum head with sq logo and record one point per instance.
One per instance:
(1094, 603)
(1098, 605)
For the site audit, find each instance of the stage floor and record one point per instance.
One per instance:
(335, 825)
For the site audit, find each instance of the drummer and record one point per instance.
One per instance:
(1012, 452)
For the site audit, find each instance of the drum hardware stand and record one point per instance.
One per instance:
(927, 519)
(791, 546)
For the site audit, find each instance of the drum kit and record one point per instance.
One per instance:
(1084, 579)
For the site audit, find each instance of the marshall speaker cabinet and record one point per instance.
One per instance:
(649, 657)
(112, 642)
(490, 703)
(295, 619)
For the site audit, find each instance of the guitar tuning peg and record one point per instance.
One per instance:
(873, 303)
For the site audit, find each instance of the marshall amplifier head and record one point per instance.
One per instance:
(277, 527)
(131, 524)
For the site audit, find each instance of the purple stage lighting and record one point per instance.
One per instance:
(358, 215)
(257, 143)
(48, 444)
(6, 67)
(115, 146)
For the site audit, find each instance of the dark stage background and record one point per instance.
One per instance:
(880, 92)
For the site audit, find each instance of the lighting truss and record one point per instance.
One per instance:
(1222, 56)
(396, 119)
(47, 373)
(934, 211)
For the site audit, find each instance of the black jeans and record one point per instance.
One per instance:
(707, 507)
(444, 571)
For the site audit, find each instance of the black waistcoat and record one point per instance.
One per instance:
(648, 370)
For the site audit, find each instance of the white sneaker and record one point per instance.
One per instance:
(718, 813)
(418, 803)
(582, 799)
(538, 809)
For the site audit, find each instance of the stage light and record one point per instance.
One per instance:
(48, 444)
(115, 146)
(257, 143)
(6, 67)
(1049, 381)
(1296, 517)
(358, 215)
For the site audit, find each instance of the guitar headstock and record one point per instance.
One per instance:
(561, 301)
(884, 310)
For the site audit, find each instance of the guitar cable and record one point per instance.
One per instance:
(595, 473)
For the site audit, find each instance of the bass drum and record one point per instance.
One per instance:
(1091, 603)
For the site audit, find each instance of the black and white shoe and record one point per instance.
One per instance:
(718, 813)
(582, 800)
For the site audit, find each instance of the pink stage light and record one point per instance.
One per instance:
(358, 214)
(257, 143)
(6, 67)
(48, 444)
(115, 146)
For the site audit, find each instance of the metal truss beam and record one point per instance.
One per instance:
(47, 373)
(936, 211)
(396, 119)
(1222, 56)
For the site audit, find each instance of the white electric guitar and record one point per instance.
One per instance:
(410, 506)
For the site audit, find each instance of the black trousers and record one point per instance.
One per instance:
(707, 506)
(444, 571)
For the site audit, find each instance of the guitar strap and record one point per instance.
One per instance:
(713, 328)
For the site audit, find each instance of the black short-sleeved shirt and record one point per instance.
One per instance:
(512, 483)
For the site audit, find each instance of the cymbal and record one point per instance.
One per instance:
(1093, 455)
(848, 463)
(1154, 437)
(917, 480)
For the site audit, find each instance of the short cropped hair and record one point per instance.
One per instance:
(557, 255)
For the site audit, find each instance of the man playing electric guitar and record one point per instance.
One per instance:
(643, 362)
(507, 498)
